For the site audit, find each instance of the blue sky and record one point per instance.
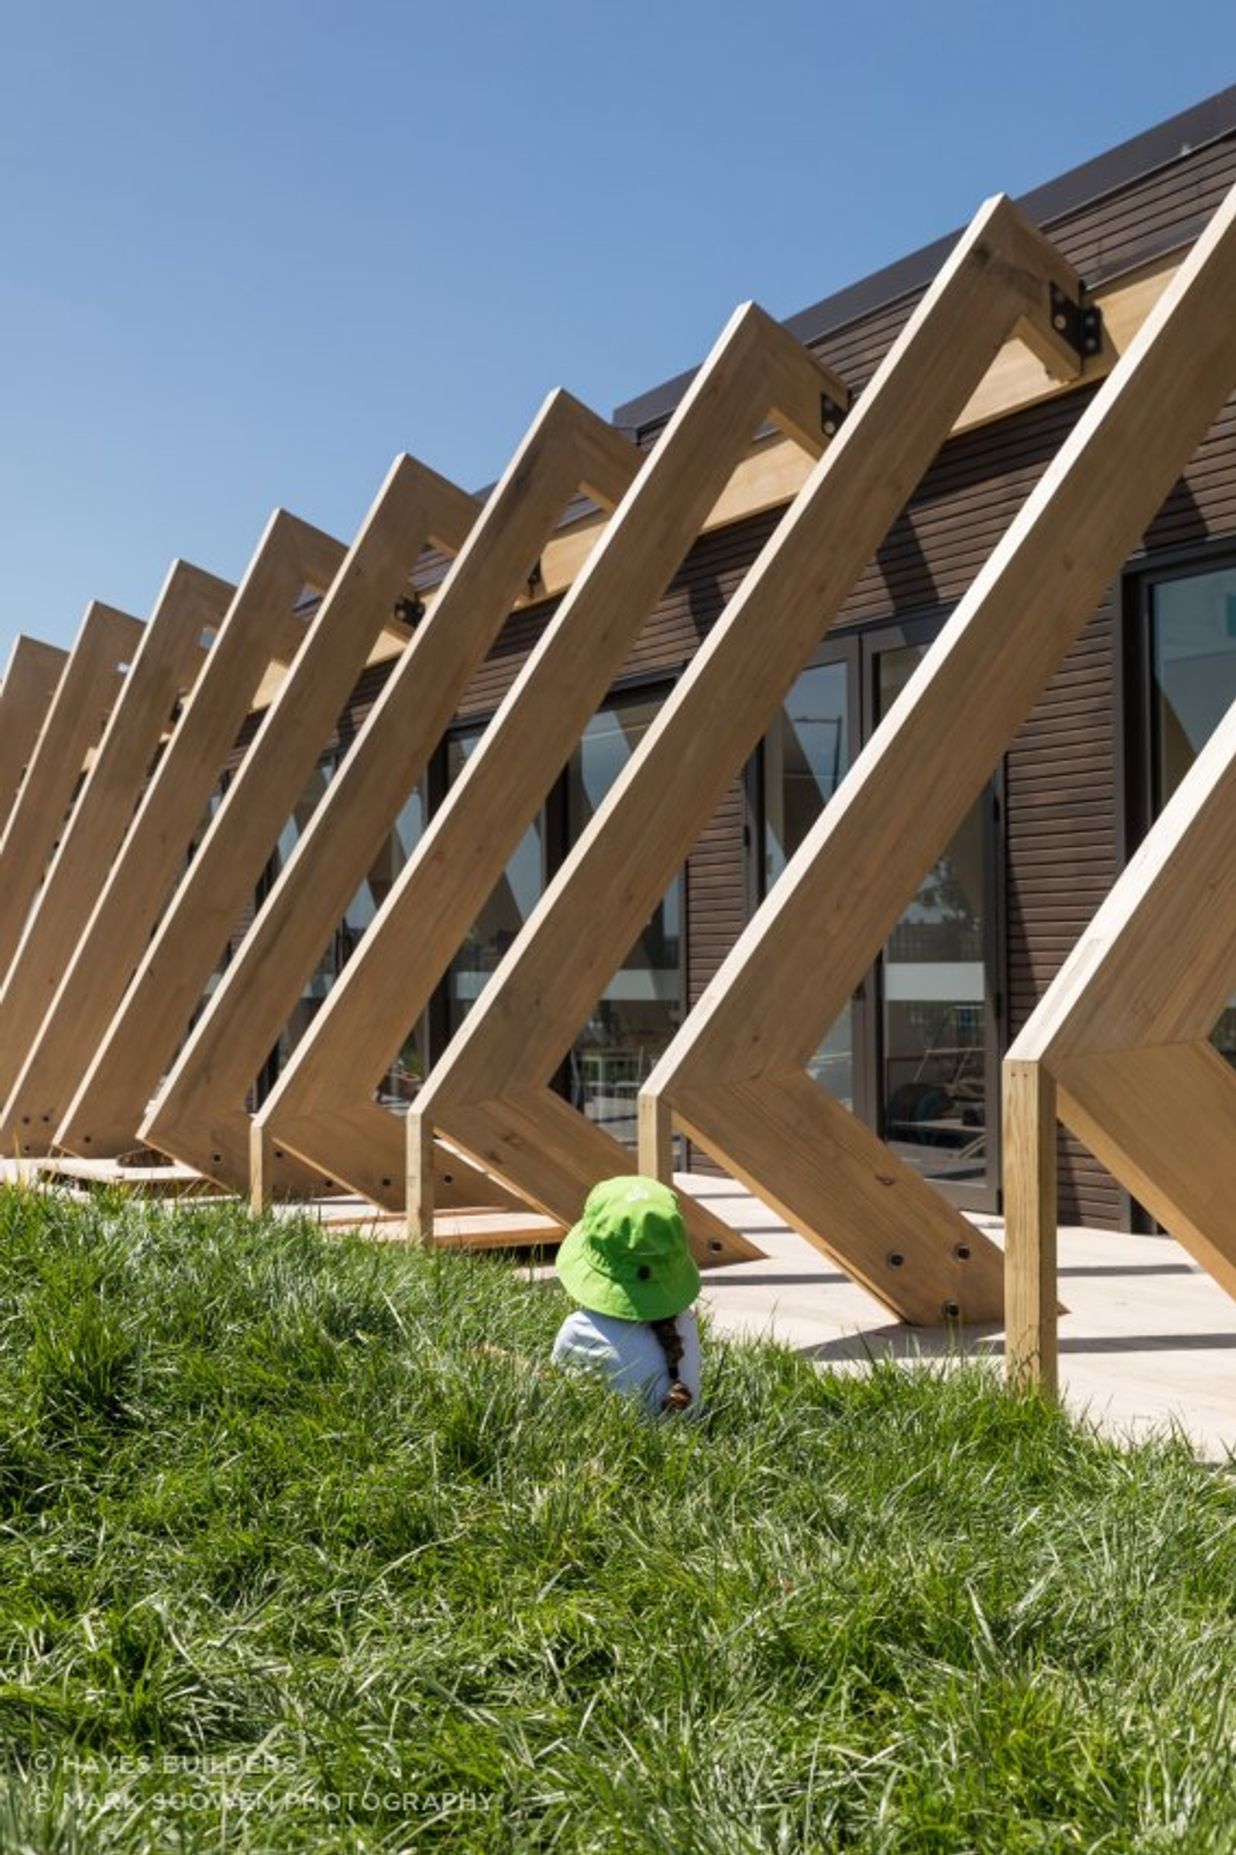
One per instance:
(248, 252)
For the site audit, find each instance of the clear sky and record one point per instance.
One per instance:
(250, 249)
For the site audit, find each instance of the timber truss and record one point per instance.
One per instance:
(199, 1115)
(167, 660)
(323, 1104)
(735, 1075)
(1118, 1049)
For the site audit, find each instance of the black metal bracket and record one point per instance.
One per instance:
(831, 415)
(409, 611)
(536, 578)
(1079, 321)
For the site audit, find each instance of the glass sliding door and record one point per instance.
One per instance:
(1192, 639)
(937, 1033)
(642, 1005)
(806, 753)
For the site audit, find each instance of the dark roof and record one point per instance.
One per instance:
(1107, 173)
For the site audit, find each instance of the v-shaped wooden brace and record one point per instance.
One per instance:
(260, 625)
(490, 1090)
(1118, 1049)
(199, 1114)
(168, 658)
(92, 680)
(734, 1075)
(323, 1104)
(414, 508)
(30, 680)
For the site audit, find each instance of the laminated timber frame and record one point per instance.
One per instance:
(190, 607)
(491, 1090)
(415, 508)
(89, 686)
(1118, 1050)
(734, 1077)
(322, 1105)
(260, 624)
(26, 694)
(199, 1115)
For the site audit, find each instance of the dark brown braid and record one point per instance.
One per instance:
(678, 1396)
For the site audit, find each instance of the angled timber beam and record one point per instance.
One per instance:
(78, 714)
(1118, 1050)
(323, 1104)
(30, 680)
(491, 1090)
(199, 1115)
(168, 658)
(290, 557)
(414, 508)
(907, 793)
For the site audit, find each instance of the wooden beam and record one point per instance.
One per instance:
(30, 680)
(414, 507)
(809, 945)
(290, 556)
(999, 277)
(1030, 1344)
(78, 714)
(199, 1115)
(753, 369)
(168, 657)
(1122, 1031)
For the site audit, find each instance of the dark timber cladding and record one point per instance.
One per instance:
(1064, 825)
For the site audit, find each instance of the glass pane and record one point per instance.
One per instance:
(806, 753)
(641, 1007)
(933, 1049)
(1193, 684)
(504, 913)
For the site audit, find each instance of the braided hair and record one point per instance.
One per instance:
(678, 1397)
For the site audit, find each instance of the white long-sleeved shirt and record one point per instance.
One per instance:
(628, 1353)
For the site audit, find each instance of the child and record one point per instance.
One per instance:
(627, 1264)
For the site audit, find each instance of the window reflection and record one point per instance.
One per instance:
(507, 908)
(641, 1007)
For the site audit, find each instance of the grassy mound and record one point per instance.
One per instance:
(287, 1561)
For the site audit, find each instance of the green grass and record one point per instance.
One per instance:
(280, 1548)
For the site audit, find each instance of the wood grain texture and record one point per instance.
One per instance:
(290, 557)
(170, 654)
(30, 678)
(199, 1113)
(840, 897)
(78, 714)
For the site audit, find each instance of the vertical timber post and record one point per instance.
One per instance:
(1031, 1348)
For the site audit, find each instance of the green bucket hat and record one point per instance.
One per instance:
(628, 1254)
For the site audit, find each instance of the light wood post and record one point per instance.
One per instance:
(999, 278)
(808, 946)
(291, 557)
(322, 1105)
(91, 682)
(199, 1114)
(30, 680)
(172, 649)
(1030, 1225)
